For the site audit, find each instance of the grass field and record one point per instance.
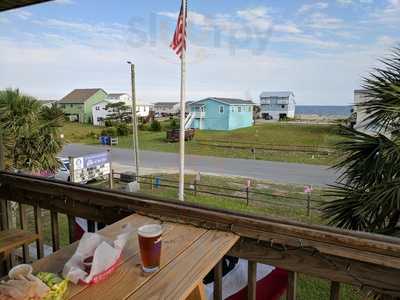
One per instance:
(281, 134)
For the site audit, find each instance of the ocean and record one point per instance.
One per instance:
(324, 110)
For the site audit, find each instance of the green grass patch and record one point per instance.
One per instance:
(279, 134)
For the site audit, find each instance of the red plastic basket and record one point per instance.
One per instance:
(103, 275)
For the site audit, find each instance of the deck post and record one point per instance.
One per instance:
(292, 283)
(251, 280)
(2, 154)
(335, 290)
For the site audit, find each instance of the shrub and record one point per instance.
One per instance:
(174, 124)
(155, 126)
(143, 127)
(110, 131)
(122, 130)
(108, 123)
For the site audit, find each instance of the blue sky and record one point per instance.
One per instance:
(237, 48)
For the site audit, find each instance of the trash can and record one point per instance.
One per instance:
(157, 183)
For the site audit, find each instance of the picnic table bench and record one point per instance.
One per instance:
(188, 254)
(13, 238)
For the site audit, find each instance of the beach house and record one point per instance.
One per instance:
(77, 105)
(277, 105)
(220, 114)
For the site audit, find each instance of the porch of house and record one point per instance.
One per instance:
(369, 262)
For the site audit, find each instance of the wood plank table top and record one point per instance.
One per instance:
(188, 254)
(14, 238)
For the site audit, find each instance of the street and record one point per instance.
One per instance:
(278, 172)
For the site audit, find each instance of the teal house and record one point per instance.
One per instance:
(220, 114)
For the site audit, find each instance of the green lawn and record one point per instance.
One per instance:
(278, 134)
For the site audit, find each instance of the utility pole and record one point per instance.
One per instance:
(135, 138)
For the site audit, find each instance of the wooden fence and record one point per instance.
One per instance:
(370, 262)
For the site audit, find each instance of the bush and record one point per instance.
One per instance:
(111, 131)
(155, 126)
(174, 124)
(108, 123)
(143, 127)
(122, 130)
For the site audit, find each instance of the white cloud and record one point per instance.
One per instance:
(312, 6)
(323, 21)
(22, 14)
(345, 2)
(389, 15)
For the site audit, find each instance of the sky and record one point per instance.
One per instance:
(320, 50)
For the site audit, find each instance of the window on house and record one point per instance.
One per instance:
(239, 109)
(232, 109)
(221, 109)
(97, 107)
(283, 106)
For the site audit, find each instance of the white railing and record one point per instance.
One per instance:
(189, 120)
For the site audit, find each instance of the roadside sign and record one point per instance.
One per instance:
(89, 167)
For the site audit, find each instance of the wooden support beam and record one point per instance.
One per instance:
(37, 211)
(24, 226)
(335, 290)
(292, 286)
(251, 280)
(71, 229)
(218, 281)
(55, 230)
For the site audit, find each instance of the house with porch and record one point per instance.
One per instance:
(166, 108)
(77, 105)
(220, 114)
(277, 105)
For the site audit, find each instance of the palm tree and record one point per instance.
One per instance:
(30, 132)
(367, 194)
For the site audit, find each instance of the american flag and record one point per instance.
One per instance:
(179, 40)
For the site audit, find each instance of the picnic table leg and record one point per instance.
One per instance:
(198, 293)
(218, 281)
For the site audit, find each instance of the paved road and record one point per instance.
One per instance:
(274, 171)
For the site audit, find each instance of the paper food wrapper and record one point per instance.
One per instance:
(105, 255)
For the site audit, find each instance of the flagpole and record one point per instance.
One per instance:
(182, 118)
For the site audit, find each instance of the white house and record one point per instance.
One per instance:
(277, 105)
(119, 97)
(361, 96)
(167, 108)
(100, 113)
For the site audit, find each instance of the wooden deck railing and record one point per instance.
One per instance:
(370, 262)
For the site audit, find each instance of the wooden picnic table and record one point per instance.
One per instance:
(188, 254)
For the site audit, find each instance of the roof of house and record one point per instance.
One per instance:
(229, 101)
(166, 103)
(79, 95)
(115, 95)
(282, 94)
